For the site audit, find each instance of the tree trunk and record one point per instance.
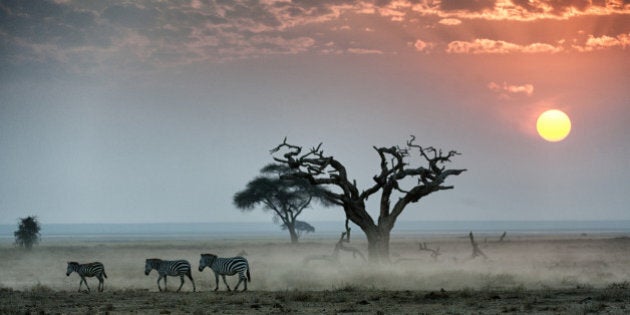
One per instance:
(378, 244)
(294, 235)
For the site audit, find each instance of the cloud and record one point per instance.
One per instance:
(604, 42)
(489, 46)
(363, 51)
(519, 10)
(131, 16)
(421, 45)
(450, 21)
(469, 5)
(527, 89)
(152, 34)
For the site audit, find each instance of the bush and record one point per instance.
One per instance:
(28, 232)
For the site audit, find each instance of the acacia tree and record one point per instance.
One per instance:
(300, 227)
(285, 197)
(324, 170)
(28, 232)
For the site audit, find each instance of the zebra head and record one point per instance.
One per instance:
(72, 266)
(150, 264)
(206, 261)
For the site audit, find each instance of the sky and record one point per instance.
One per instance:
(160, 111)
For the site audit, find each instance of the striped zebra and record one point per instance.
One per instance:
(171, 268)
(226, 266)
(95, 269)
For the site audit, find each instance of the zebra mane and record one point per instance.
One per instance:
(73, 263)
(209, 258)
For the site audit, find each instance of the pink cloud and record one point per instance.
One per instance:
(527, 89)
(363, 51)
(450, 21)
(490, 46)
(604, 42)
(531, 10)
(421, 45)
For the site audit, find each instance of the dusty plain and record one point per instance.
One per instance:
(550, 274)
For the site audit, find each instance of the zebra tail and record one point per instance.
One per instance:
(104, 274)
(249, 278)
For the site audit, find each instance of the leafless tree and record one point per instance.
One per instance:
(395, 172)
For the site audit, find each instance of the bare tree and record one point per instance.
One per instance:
(395, 171)
(285, 197)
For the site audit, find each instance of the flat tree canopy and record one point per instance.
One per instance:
(285, 197)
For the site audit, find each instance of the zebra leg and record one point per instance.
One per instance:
(80, 283)
(228, 287)
(191, 280)
(181, 279)
(165, 289)
(239, 282)
(100, 283)
(216, 278)
(86, 285)
(241, 278)
(158, 283)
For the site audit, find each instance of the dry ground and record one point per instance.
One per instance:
(611, 300)
(570, 274)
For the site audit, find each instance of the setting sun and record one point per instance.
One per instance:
(553, 125)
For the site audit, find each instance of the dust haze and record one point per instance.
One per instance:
(519, 262)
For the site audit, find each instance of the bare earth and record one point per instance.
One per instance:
(542, 275)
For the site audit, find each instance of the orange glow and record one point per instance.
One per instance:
(553, 125)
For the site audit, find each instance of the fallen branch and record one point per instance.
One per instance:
(502, 236)
(334, 257)
(476, 250)
(434, 252)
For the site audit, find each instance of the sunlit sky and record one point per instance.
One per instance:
(159, 111)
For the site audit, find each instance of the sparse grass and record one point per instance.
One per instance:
(293, 296)
(40, 288)
(587, 308)
(467, 292)
(617, 292)
(347, 288)
(540, 276)
(498, 281)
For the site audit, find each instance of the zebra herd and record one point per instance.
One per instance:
(174, 268)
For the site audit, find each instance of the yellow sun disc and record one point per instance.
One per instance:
(553, 125)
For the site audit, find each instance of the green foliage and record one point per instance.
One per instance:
(28, 232)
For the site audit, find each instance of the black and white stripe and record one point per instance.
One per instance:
(95, 269)
(171, 268)
(226, 266)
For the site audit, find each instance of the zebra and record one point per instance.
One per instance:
(171, 268)
(226, 266)
(95, 269)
